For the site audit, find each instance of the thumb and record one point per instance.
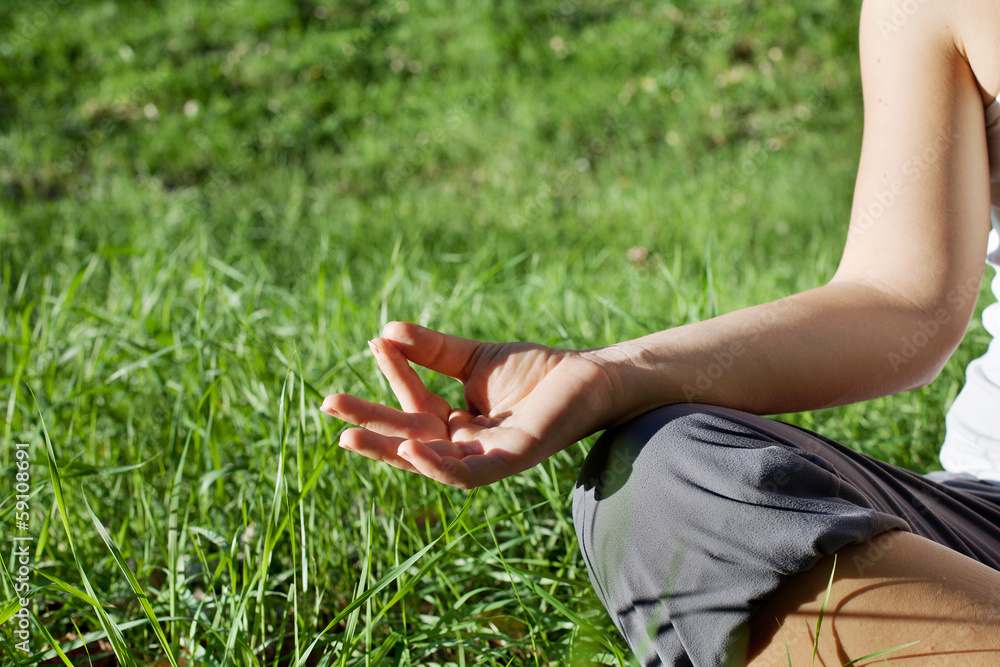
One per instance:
(431, 349)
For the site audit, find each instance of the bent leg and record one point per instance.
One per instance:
(893, 590)
(689, 517)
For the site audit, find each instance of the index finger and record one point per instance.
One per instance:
(431, 349)
(405, 383)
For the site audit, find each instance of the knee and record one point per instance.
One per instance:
(643, 525)
(682, 460)
(635, 460)
(664, 439)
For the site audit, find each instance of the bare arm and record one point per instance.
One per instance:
(887, 321)
(907, 283)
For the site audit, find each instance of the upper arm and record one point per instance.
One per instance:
(920, 214)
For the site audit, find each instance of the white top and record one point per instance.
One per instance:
(972, 443)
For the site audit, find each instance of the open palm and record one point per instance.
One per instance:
(524, 402)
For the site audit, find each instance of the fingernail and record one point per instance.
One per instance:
(327, 406)
(374, 348)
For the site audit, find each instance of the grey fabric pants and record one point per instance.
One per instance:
(690, 516)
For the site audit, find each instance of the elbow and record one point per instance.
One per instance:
(922, 375)
(924, 349)
(925, 314)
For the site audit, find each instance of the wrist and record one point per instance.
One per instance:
(630, 370)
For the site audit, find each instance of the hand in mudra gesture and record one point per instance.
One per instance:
(524, 403)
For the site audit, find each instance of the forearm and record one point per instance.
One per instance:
(832, 345)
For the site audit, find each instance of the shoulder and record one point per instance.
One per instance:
(968, 30)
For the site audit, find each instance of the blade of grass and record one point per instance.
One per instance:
(389, 577)
(878, 653)
(429, 564)
(21, 365)
(84, 639)
(352, 620)
(121, 650)
(239, 612)
(822, 609)
(132, 582)
(173, 505)
(788, 653)
(69, 589)
(51, 641)
(271, 529)
(531, 622)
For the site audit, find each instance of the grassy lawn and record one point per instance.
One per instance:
(207, 208)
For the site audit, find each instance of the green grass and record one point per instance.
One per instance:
(206, 209)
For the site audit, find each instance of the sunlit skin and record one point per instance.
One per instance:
(897, 590)
(522, 405)
(925, 85)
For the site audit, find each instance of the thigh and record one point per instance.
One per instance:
(898, 591)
